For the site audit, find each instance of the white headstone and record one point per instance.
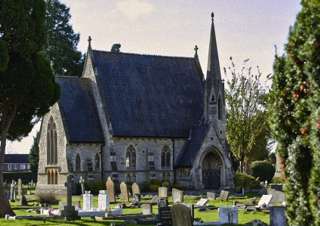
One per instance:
(228, 215)
(87, 201)
(202, 202)
(264, 201)
(103, 200)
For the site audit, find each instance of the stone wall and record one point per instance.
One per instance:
(61, 166)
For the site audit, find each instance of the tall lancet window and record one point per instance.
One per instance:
(131, 158)
(78, 163)
(165, 157)
(219, 109)
(52, 155)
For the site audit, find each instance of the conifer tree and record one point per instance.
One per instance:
(295, 122)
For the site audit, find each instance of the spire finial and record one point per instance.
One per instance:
(89, 41)
(196, 51)
(212, 16)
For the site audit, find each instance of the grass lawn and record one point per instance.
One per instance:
(209, 215)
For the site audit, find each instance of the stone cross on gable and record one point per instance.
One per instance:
(81, 181)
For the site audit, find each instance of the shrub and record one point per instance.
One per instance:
(263, 170)
(95, 186)
(165, 184)
(47, 198)
(243, 180)
(278, 180)
(154, 185)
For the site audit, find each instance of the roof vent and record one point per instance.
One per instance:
(116, 48)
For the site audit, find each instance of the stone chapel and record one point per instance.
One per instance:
(137, 117)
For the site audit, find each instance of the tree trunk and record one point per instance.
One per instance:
(6, 123)
(4, 203)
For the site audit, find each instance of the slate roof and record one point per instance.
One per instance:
(16, 158)
(78, 109)
(192, 146)
(149, 96)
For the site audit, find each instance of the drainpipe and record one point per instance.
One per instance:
(173, 154)
(101, 161)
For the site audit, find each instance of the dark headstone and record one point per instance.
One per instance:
(181, 215)
(165, 216)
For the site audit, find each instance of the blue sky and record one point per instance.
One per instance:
(244, 29)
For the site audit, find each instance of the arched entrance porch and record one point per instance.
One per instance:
(212, 170)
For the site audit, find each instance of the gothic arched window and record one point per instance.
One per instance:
(131, 157)
(89, 165)
(165, 157)
(97, 161)
(219, 109)
(78, 163)
(52, 155)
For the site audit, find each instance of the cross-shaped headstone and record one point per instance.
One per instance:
(13, 191)
(68, 185)
(81, 181)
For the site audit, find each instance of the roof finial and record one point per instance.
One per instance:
(212, 16)
(196, 51)
(89, 41)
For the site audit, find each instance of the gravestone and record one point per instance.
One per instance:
(146, 209)
(224, 195)
(69, 212)
(135, 189)
(19, 188)
(278, 216)
(228, 215)
(110, 190)
(211, 195)
(181, 215)
(177, 195)
(103, 200)
(154, 199)
(278, 197)
(163, 192)
(13, 191)
(165, 216)
(201, 203)
(264, 201)
(81, 182)
(23, 200)
(87, 201)
(124, 192)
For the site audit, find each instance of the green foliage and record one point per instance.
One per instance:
(34, 156)
(243, 180)
(153, 185)
(294, 119)
(263, 170)
(278, 180)
(62, 40)
(94, 186)
(247, 129)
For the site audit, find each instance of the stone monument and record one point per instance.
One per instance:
(181, 215)
(124, 192)
(110, 190)
(103, 200)
(69, 212)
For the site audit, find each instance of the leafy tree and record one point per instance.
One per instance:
(27, 87)
(34, 156)
(62, 40)
(294, 106)
(247, 130)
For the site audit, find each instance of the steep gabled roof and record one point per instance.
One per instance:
(149, 96)
(78, 110)
(192, 146)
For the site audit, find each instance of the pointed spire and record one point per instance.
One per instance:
(213, 58)
(89, 42)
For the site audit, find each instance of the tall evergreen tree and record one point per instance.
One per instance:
(62, 40)
(34, 156)
(295, 118)
(27, 87)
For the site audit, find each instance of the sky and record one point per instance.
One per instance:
(244, 29)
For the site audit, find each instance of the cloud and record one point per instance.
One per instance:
(134, 9)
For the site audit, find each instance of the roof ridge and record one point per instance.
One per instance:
(141, 54)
